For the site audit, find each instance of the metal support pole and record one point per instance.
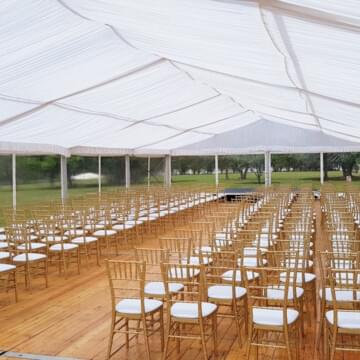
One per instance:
(149, 171)
(99, 173)
(321, 168)
(167, 172)
(127, 171)
(216, 170)
(267, 168)
(13, 158)
(63, 178)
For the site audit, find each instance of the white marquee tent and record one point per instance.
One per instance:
(116, 77)
(175, 77)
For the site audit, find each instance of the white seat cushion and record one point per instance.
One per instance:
(278, 293)
(133, 306)
(187, 310)
(102, 233)
(225, 292)
(252, 262)
(7, 267)
(273, 317)
(66, 246)
(3, 245)
(341, 294)
(158, 288)
(228, 275)
(4, 255)
(345, 319)
(84, 239)
(29, 257)
(32, 246)
(2, 237)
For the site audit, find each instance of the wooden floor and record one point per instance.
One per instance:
(72, 319)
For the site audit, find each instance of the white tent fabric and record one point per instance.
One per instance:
(114, 77)
(266, 136)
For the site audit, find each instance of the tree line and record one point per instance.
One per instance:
(41, 168)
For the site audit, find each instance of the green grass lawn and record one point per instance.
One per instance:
(42, 192)
(295, 179)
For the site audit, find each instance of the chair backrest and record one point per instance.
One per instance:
(126, 280)
(345, 290)
(191, 276)
(178, 247)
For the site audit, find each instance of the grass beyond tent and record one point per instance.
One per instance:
(40, 192)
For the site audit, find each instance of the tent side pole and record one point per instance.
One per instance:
(13, 163)
(269, 168)
(216, 170)
(99, 174)
(167, 171)
(127, 171)
(63, 178)
(321, 168)
(148, 171)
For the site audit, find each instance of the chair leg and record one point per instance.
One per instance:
(162, 328)
(15, 287)
(287, 343)
(78, 258)
(112, 326)
(127, 333)
(46, 273)
(167, 339)
(248, 349)
(238, 323)
(333, 345)
(97, 252)
(147, 346)
(203, 340)
(214, 330)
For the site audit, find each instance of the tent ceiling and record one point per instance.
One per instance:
(117, 77)
(269, 136)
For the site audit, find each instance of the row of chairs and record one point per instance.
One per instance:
(340, 274)
(246, 265)
(92, 226)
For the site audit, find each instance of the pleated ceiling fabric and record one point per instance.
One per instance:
(114, 77)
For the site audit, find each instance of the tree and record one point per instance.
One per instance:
(346, 161)
(243, 166)
(257, 163)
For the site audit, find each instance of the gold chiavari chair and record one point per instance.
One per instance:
(8, 278)
(27, 262)
(190, 311)
(129, 305)
(154, 287)
(344, 317)
(230, 296)
(272, 315)
(60, 250)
